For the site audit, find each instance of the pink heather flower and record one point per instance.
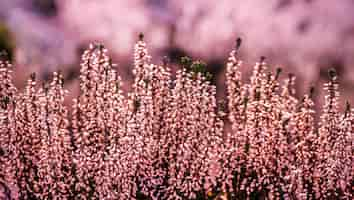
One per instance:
(193, 138)
(334, 146)
(167, 139)
(99, 124)
(27, 143)
(304, 138)
(7, 126)
(55, 162)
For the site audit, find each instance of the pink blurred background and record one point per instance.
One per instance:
(305, 37)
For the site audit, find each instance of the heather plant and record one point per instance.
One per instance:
(55, 162)
(7, 130)
(334, 146)
(99, 121)
(168, 138)
(151, 99)
(27, 143)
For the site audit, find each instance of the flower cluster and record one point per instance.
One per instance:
(274, 149)
(166, 138)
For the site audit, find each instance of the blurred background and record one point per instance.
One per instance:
(305, 37)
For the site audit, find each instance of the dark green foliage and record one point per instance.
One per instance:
(7, 43)
(186, 62)
(196, 67)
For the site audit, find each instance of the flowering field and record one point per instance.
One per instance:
(166, 138)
